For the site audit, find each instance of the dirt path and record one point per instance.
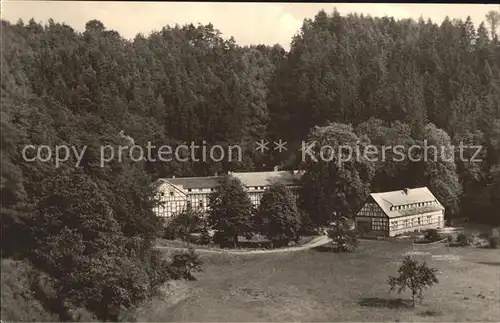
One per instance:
(316, 242)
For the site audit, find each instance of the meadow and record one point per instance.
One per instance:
(320, 285)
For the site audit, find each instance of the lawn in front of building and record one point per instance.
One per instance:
(324, 286)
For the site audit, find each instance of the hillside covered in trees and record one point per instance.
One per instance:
(393, 82)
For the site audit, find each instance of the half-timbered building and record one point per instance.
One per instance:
(398, 212)
(176, 195)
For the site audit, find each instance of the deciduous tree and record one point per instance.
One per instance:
(230, 210)
(277, 216)
(414, 277)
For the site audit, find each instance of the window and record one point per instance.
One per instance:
(394, 225)
(189, 190)
(418, 221)
(379, 224)
(171, 193)
(162, 194)
(200, 204)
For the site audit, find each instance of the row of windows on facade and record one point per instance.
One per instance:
(253, 198)
(189, 190)
(211, 190)
(178, 206)
(381, 224)
(410, 206)
(411, 222)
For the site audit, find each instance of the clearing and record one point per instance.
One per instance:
(316, 285)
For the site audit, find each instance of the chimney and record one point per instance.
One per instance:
(275, 168)
(406, 190)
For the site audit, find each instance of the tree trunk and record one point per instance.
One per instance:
(413, 298)
(235, 241)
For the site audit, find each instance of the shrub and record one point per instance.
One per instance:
(432, 235)
(182, 225)
(307, 226)
(205, 237)
(449, 238)
(464, 240)
(484, 235)
(222, 240)
(494, 242)
(342, 235)
(184, 264)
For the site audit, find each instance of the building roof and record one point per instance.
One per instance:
(195, 182)
(386, 200)
(268, 178)
(247, 179)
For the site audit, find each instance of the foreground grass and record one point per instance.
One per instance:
(324, 286)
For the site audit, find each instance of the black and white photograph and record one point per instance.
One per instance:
(250, 161)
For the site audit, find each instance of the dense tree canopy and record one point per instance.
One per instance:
(336, 179)
(277, 217)
(396, 82)
(230, 212)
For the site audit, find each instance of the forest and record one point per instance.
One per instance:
(394, 82)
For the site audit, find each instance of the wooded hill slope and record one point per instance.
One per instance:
(393, 81)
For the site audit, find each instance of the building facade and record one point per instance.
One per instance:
(398, 212)
(175, 195)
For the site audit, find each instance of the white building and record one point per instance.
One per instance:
(179, 194)
(398, 212)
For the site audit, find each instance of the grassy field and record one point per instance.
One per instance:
(323, 286)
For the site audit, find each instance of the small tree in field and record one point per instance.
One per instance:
(230, 210)
(413, 276)
(343, 234)
(277, 217)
